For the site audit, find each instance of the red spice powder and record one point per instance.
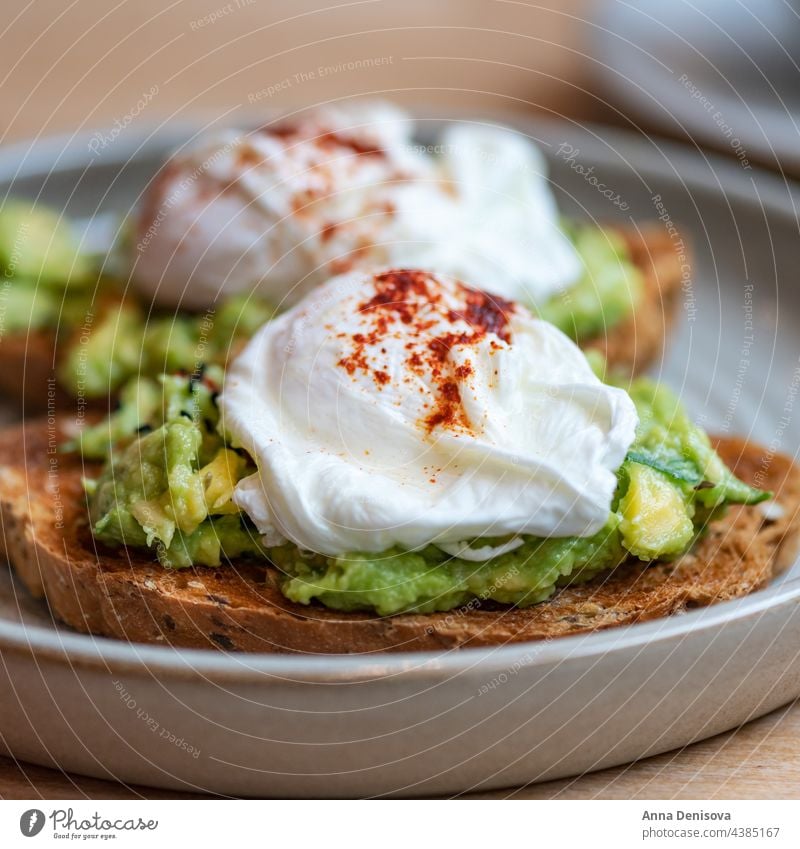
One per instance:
(340, 139)
(487, 313)
(246, 157)
(326, 233)
(409, 302)
(400, 292)
(329, 139)
(448, 411)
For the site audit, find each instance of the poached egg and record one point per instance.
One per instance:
(279, 210)
(403, 408)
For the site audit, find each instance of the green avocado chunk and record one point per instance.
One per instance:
(656, 518)
(123, 343)
(169, 478)
(430, 580)
(168, 481)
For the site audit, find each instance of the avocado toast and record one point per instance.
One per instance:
(478, 483)
(126, 594)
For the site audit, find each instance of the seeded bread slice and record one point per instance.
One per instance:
(630, 347)
(125, 594)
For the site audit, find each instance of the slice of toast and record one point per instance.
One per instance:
(630, 347)
(126, 594)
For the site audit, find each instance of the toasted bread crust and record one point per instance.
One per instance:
(630, 347)
(125, 594)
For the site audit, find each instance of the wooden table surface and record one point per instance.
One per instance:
(86, 64)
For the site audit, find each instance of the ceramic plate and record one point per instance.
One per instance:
(463, 720)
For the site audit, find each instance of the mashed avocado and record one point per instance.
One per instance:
(123, 342)
(43, 270)
(607, 291)
(169, 477)
(429, 580)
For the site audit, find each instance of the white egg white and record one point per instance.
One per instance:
(279, 210)
(382, 414)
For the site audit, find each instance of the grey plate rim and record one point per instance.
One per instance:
(697, 169)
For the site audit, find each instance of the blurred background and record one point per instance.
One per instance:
(720, 73)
